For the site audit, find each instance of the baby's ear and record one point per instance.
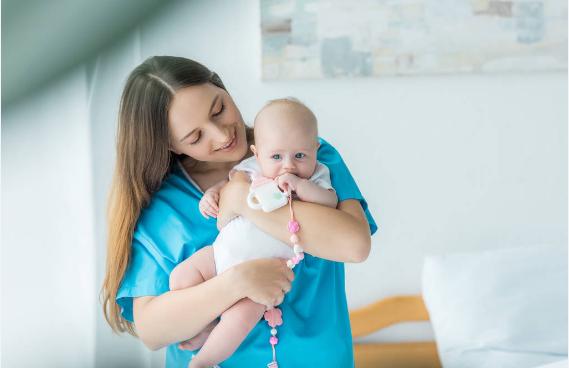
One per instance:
(254, 150)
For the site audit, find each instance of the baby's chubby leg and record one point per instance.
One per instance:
(197, 268)
(235, 325)
(193, 271)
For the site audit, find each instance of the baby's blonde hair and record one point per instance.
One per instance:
(292, 102)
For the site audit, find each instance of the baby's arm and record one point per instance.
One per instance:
(308, 191)
(209, 203)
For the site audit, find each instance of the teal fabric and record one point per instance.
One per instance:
(316, 329)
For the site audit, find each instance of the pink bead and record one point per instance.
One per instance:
(293, 226)
(295, 260)
(273, 340)
(294, 239)
(300, 256)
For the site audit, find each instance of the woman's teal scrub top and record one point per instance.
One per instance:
(316, 330)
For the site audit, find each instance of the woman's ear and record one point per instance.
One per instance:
(254, 150)
(170, 148)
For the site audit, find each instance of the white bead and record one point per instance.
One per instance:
(274, 331)
(290, 264)
(298, 249)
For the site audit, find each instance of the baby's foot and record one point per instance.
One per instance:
(197, 341)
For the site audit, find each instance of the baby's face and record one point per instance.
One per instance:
(285, 144)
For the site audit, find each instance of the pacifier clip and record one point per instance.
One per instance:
(273, 316)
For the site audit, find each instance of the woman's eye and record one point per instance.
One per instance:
(300, 155)
(197, 139)
(220, 110)
(276, 156)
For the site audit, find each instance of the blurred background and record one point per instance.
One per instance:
(449, 161)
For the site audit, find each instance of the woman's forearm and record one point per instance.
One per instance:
(180, 315)
(336, 234)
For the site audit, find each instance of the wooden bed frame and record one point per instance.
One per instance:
(385, 313)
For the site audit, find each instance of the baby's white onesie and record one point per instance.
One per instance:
(240, 240)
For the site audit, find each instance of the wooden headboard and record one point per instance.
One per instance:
(385, 313)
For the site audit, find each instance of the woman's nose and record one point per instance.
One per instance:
(220, 134)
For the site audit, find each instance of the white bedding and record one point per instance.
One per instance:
(503, 308)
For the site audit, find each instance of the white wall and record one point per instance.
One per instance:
(107, 74)
(448, 164)
(48, 298)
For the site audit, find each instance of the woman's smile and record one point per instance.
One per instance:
(229, 146)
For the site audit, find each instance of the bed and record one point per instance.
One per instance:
(502, 308)
(385, 313)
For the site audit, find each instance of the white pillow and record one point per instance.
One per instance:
(500, 308)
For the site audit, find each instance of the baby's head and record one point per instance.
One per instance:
(286, 139)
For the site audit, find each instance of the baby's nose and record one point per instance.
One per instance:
(288, 164)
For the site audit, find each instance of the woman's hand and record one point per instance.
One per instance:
(264, 281)
(233, 197)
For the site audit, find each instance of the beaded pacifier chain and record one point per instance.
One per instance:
(274, 315)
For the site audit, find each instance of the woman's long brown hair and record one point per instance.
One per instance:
(143, 160)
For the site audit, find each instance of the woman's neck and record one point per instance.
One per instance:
(200, 168)
(205, 167)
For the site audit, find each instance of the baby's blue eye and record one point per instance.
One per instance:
(299, 155)
(276, 156)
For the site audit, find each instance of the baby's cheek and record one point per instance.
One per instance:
(308, 169)
(269, 168)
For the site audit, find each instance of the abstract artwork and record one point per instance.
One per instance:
(368, 38)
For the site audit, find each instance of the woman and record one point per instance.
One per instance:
(180, 132)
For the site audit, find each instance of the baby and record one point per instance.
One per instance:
(286, 142)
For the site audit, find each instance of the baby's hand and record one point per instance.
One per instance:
(209, 204)
(288, 181)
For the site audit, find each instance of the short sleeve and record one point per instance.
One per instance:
(321, 177)
(249, 166)
(144, 277)
(342, 180)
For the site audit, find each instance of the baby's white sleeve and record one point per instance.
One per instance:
(249, 166)
(321, 177)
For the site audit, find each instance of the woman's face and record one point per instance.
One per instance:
(206, 125)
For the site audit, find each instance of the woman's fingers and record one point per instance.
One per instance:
(265, 281)
(287, 287)
(287, 271)
(279, 300)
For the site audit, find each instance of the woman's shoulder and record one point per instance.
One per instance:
(174, 192)
(328, 155)
(170, 220)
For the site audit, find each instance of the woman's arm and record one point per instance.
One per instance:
(180, 315)
(340, 234)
